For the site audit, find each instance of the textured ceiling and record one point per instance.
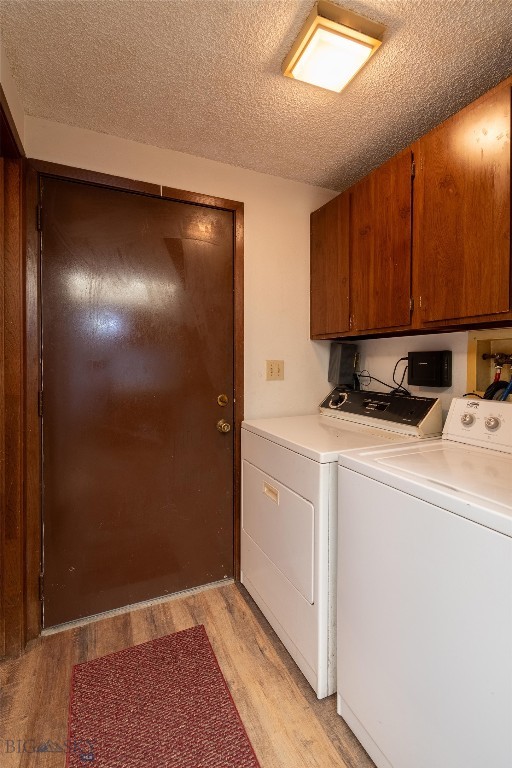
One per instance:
(203, 76)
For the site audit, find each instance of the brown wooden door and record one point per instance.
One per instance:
(329, 268)
(380, 247)
(137, 344)
(462, 210)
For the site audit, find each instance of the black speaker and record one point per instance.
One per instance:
(343, 364)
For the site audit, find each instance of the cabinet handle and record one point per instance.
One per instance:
(271, 492)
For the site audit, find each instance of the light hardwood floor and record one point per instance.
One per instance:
(287, 725)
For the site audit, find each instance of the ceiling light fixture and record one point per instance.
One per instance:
(332, 47)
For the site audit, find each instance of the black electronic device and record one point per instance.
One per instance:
(430, 369)
(343, 365)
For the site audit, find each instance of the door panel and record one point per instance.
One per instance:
(282, 524)
(330, 268)
(137, 335)
(380, 247)
(463, 210)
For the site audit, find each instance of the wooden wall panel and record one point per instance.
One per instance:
(12, 519)
(10, 142)
(2, 410)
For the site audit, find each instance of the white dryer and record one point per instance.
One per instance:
(425, 594)
(289, 505)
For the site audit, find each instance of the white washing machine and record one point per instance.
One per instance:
(289, 502)
(425, 594)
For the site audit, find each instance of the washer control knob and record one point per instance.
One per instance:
(468, 419)
(492, 423)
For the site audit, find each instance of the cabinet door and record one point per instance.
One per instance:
(380, 247)
(462, 213)
(329, 268)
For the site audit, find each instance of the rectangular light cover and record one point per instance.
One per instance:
(330, 59)
(332, 46)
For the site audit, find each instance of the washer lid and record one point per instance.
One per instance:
(472, 482)
(319, 437)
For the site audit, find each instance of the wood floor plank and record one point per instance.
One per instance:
(287, 725)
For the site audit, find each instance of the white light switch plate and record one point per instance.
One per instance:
(275, 370)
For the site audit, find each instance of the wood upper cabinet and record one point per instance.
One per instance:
(442, 238)
(361, 255)
(380, 247)
(330, 268)
(462, 213)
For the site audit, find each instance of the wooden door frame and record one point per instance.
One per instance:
(12, 552)
(36, 170)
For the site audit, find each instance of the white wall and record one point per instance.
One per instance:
(380, 355)
(11, 94)
(276, 251)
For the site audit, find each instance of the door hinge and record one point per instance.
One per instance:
(413, 169)
(350, 322)
(411, 304)
(39, 217)
(41, 587)
(40, 403)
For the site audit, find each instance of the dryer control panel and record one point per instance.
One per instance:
(420, 416)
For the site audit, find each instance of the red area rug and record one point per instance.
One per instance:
(162, 704)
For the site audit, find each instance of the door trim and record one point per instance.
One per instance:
(37, 169)
(12, 557)
(11, 145)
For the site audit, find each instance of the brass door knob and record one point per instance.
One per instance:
(223, 426)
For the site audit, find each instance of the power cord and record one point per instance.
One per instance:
(399, 389)
(495, 389)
